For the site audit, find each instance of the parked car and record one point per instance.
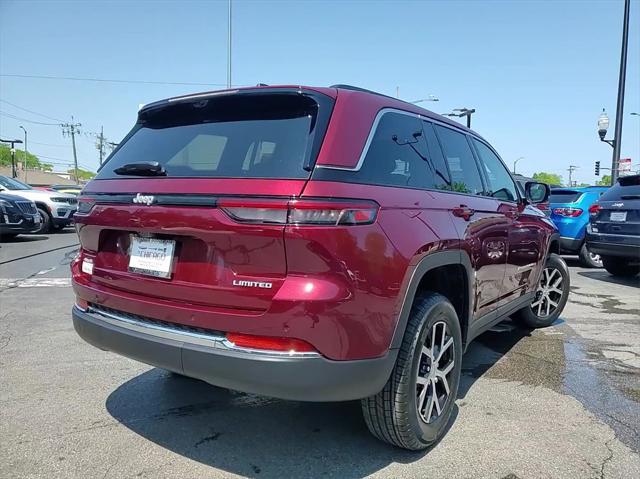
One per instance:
(71, 189)
(317, 244)
(521, 181)
(614, 228)
(56, 209)
(18, 215)
(570, 213)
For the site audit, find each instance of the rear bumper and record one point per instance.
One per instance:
(570, 245)
(625, 246)
(301, 377)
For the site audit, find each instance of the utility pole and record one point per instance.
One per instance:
(229, 49)
(100, 144)
(571, 169)
(620, 104)
(71, 129)
(24, 165)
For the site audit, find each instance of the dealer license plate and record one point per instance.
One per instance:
(618, 216)
(151, 256)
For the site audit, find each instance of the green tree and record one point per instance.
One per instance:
(32, 160)
(605, 181)
(548, 178)
(82, 174)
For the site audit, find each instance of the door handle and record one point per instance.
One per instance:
(463, 211)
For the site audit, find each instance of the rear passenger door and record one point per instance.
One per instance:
(482, 225)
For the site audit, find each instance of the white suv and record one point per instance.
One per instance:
(56, 209)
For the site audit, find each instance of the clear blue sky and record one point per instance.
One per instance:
(538, 73)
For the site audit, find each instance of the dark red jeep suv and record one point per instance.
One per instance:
(316, 244)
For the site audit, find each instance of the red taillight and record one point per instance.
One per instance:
(270, 343)
(568, 212)
(594, 208)
(300, 212)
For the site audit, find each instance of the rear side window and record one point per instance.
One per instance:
(501, 185)
(236, 136)
(441, 180)
(564, 196)
(465, 176)
(397, 156)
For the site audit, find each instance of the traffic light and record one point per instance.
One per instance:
(597, 168)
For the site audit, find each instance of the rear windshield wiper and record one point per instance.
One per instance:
(145, 168)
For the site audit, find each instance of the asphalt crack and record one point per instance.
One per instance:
(608, 458)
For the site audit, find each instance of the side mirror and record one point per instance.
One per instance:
(536, 193)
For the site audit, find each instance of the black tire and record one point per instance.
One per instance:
(618, 266)
(588, 259)
(45, 221)
(536, 314)
(8, 236)
(392, 414)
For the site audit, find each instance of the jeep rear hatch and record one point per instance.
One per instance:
(158, 220)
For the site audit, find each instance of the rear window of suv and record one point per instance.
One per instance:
(234, 136)
(627, 188)
(564, 196)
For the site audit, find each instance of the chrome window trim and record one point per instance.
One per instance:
(214, 341)
(372, 132)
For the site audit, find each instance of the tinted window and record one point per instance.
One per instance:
(564, 196)
(397, 156)
(251, 136)
(437, 163)
(499, 180)
(465, 177)
(627, 188)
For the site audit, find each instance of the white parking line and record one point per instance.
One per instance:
(35, 283)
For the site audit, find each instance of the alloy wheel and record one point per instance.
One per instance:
(437, 359)
(595, 258)
(548, 294)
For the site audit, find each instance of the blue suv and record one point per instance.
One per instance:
(570, 213)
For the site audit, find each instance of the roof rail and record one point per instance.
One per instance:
(363, 90)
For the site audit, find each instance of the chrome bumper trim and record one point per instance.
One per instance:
(215, 341)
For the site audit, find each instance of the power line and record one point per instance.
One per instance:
(108, 80)
(31, 111)
(9, 115)
(48, 144)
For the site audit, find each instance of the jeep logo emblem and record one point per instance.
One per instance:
(143, 199)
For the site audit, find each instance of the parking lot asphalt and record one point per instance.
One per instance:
(560, 402)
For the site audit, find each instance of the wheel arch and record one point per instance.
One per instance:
(44, 206)
(438, 272)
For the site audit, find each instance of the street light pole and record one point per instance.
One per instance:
(515, 163)
(24, 165)
(229, 48)
(431, 98)
(620, 104)
(14, 173)
(463, 112)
